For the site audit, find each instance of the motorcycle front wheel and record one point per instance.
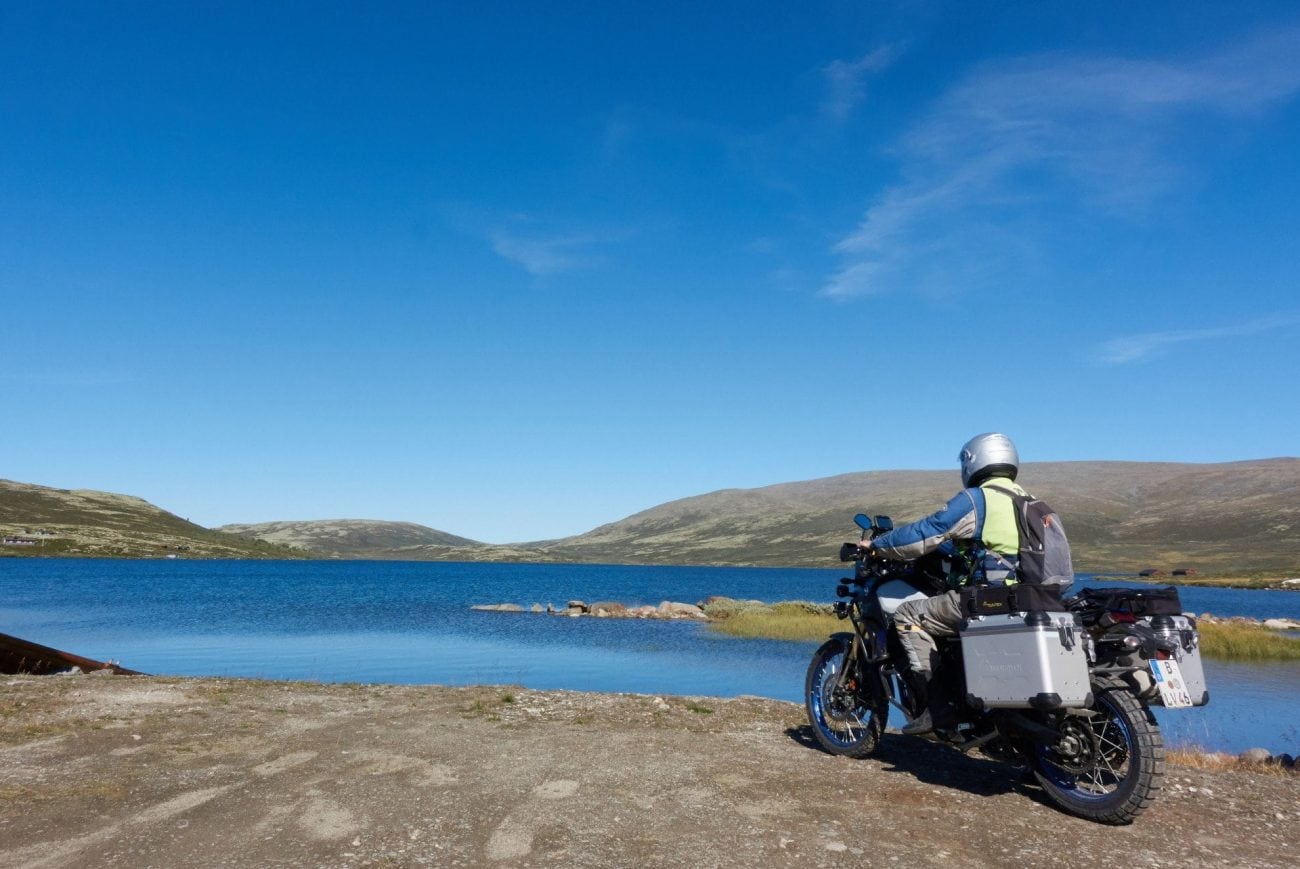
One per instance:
(1107, 767)
(842, 720)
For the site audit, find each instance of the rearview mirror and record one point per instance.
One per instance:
(863, 521)
(884, 523)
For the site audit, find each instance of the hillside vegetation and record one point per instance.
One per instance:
(1121, 516)
(1233, 518)
(82, 522)
(357, 538)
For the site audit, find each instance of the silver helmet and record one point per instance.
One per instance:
(988, 455)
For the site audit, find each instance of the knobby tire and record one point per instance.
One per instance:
(1124, 767)
(843, 722)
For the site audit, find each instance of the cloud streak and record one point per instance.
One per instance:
(846, 80)
(1014, 139)
(1132, 348)
(542, 256)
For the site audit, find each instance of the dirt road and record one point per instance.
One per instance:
(143, 771)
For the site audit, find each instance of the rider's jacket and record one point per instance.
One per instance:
(979, 522)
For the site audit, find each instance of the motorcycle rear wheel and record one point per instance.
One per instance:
(842, 720)
(1115, 763)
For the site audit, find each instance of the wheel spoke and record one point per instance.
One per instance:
(843, 723)
(1105, 767)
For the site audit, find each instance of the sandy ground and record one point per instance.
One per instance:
(143, 771)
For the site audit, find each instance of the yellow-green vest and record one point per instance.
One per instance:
(1000, 533)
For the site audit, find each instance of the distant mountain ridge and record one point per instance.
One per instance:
(1121, 516)
(355, 538)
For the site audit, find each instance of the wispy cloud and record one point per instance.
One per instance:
(1131, 348)
(546, 255)
(1094, 131)
(846, 80)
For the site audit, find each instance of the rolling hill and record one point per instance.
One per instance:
(1233, 517)
(1239, 516)
(38, 520)
(357, 538)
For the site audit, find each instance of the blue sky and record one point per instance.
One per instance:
(515, 270)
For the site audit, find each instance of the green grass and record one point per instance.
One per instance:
(788, 620)
(801, 620)
(1236, 641)
(1213, 580)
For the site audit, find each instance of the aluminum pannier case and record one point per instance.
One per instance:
(1182, 630)
(1020, 660)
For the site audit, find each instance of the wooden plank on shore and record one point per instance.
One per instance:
(22, 656)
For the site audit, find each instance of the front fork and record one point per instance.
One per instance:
(869, 666)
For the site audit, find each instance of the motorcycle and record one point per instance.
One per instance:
(1083, 726)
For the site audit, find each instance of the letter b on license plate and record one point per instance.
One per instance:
(1173, 690)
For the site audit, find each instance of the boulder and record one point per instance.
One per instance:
(608, 608)
(1281, 624)
(536, 608)
(576, 605)
(1256, 755)
(673, 609)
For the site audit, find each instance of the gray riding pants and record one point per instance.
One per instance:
(920, 621)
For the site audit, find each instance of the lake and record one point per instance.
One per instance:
(410, 622)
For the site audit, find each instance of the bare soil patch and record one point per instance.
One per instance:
(147, 771)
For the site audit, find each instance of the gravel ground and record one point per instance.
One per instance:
(145, 771)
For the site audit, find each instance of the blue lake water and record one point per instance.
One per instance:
(408, 622)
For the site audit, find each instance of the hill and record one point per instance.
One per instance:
(1235, 516)
(38, 520)
(357, 538)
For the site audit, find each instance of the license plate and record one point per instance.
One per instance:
(1169, 679)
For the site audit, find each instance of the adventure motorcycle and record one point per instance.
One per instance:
(1062, 686)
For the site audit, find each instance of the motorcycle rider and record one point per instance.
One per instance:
(978, 524)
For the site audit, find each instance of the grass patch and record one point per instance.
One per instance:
(789, 620)
(480, 708)
(1239, 641)
(802, 620)
(1217, 761)
(698, 708)
(1212, 581)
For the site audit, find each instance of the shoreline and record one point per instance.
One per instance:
(1229, 638)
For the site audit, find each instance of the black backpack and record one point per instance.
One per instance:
(1044, 549)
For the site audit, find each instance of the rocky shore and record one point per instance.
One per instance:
(1270, 624)
(609, 609)
(717, 606)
